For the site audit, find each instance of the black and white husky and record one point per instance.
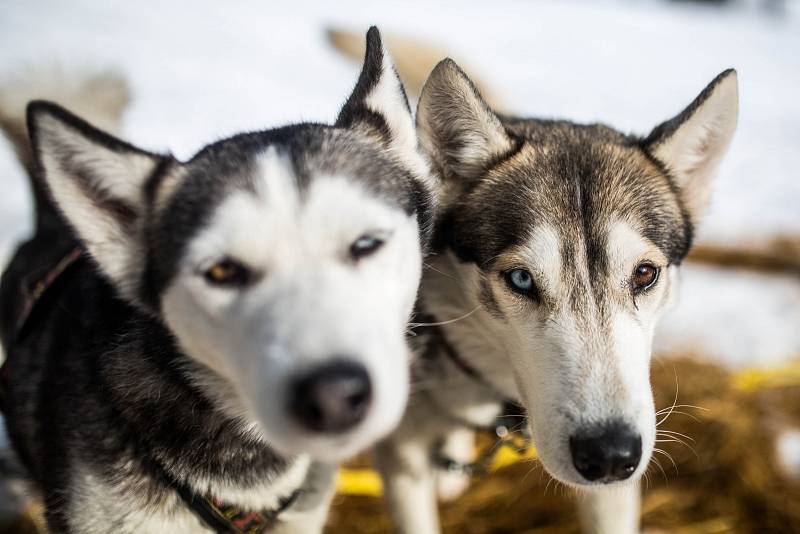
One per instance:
(216, 333)
(556, 251)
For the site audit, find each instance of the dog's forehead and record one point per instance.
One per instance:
(287, 161)
(578, 184)
(560, 258)
(305, 153)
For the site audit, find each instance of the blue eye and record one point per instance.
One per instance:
(364, 246)
(521, 281)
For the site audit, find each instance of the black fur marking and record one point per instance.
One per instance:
(153, 184)
(355, 113)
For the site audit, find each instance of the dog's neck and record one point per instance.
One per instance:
(448, 292)
(158, 397)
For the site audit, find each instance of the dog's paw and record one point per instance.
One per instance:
(450, 485)
(453, 476)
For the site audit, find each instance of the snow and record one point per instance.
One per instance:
(201, 70)
(736, 317)
(787, 447)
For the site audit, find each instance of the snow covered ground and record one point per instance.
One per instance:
(201, 70)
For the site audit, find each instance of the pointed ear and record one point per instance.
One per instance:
(378, 103)
(457, 129)
(692, 144)
(97, 181)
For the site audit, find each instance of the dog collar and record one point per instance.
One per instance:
(32, 294)
(221, 517)
(439, 344)
(229, 519)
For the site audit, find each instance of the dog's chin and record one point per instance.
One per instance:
(289, 440)
(329, 449)
(325, 449)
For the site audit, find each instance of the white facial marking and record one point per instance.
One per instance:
(311, 303)
(542, 253)
(574, 366)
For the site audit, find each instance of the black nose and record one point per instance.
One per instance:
(331, 398)
(606, 453)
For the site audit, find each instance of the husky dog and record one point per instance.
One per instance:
(556, 250)
(229, 327)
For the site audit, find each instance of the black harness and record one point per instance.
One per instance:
(504, 424)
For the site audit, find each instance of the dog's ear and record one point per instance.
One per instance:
(691, 145)
(457, 129)
(97, 181)
(378, 103)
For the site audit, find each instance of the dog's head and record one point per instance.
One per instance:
(568, 238)
(285, 262)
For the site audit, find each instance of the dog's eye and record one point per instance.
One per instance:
(364, 246)
(521, 281)
(644, 277)
(228, 273)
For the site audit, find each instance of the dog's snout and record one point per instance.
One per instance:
(608, 453)
(331, 398)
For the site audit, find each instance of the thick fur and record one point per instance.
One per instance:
(139, 370)
(579, 207)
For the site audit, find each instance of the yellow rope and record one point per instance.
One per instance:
(367, 482)
(754, 379)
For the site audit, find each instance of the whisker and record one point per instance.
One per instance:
(662, 410)
(530, 471)
(658, 464)
(548, 485)
(434, 269)
(674, 433)
(674, 401)
(442, 323)
(679, 412)
(669, 457)
(687, 446)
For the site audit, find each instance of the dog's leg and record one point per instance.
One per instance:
(308, 514)
(610, 511)
(405, 463)
(459, 445)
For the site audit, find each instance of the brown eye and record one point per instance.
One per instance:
(228, 273)
(644, 277)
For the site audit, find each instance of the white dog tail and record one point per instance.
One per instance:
(100, 97)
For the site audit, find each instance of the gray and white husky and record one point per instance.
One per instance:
(213, 334)
(555, 253)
